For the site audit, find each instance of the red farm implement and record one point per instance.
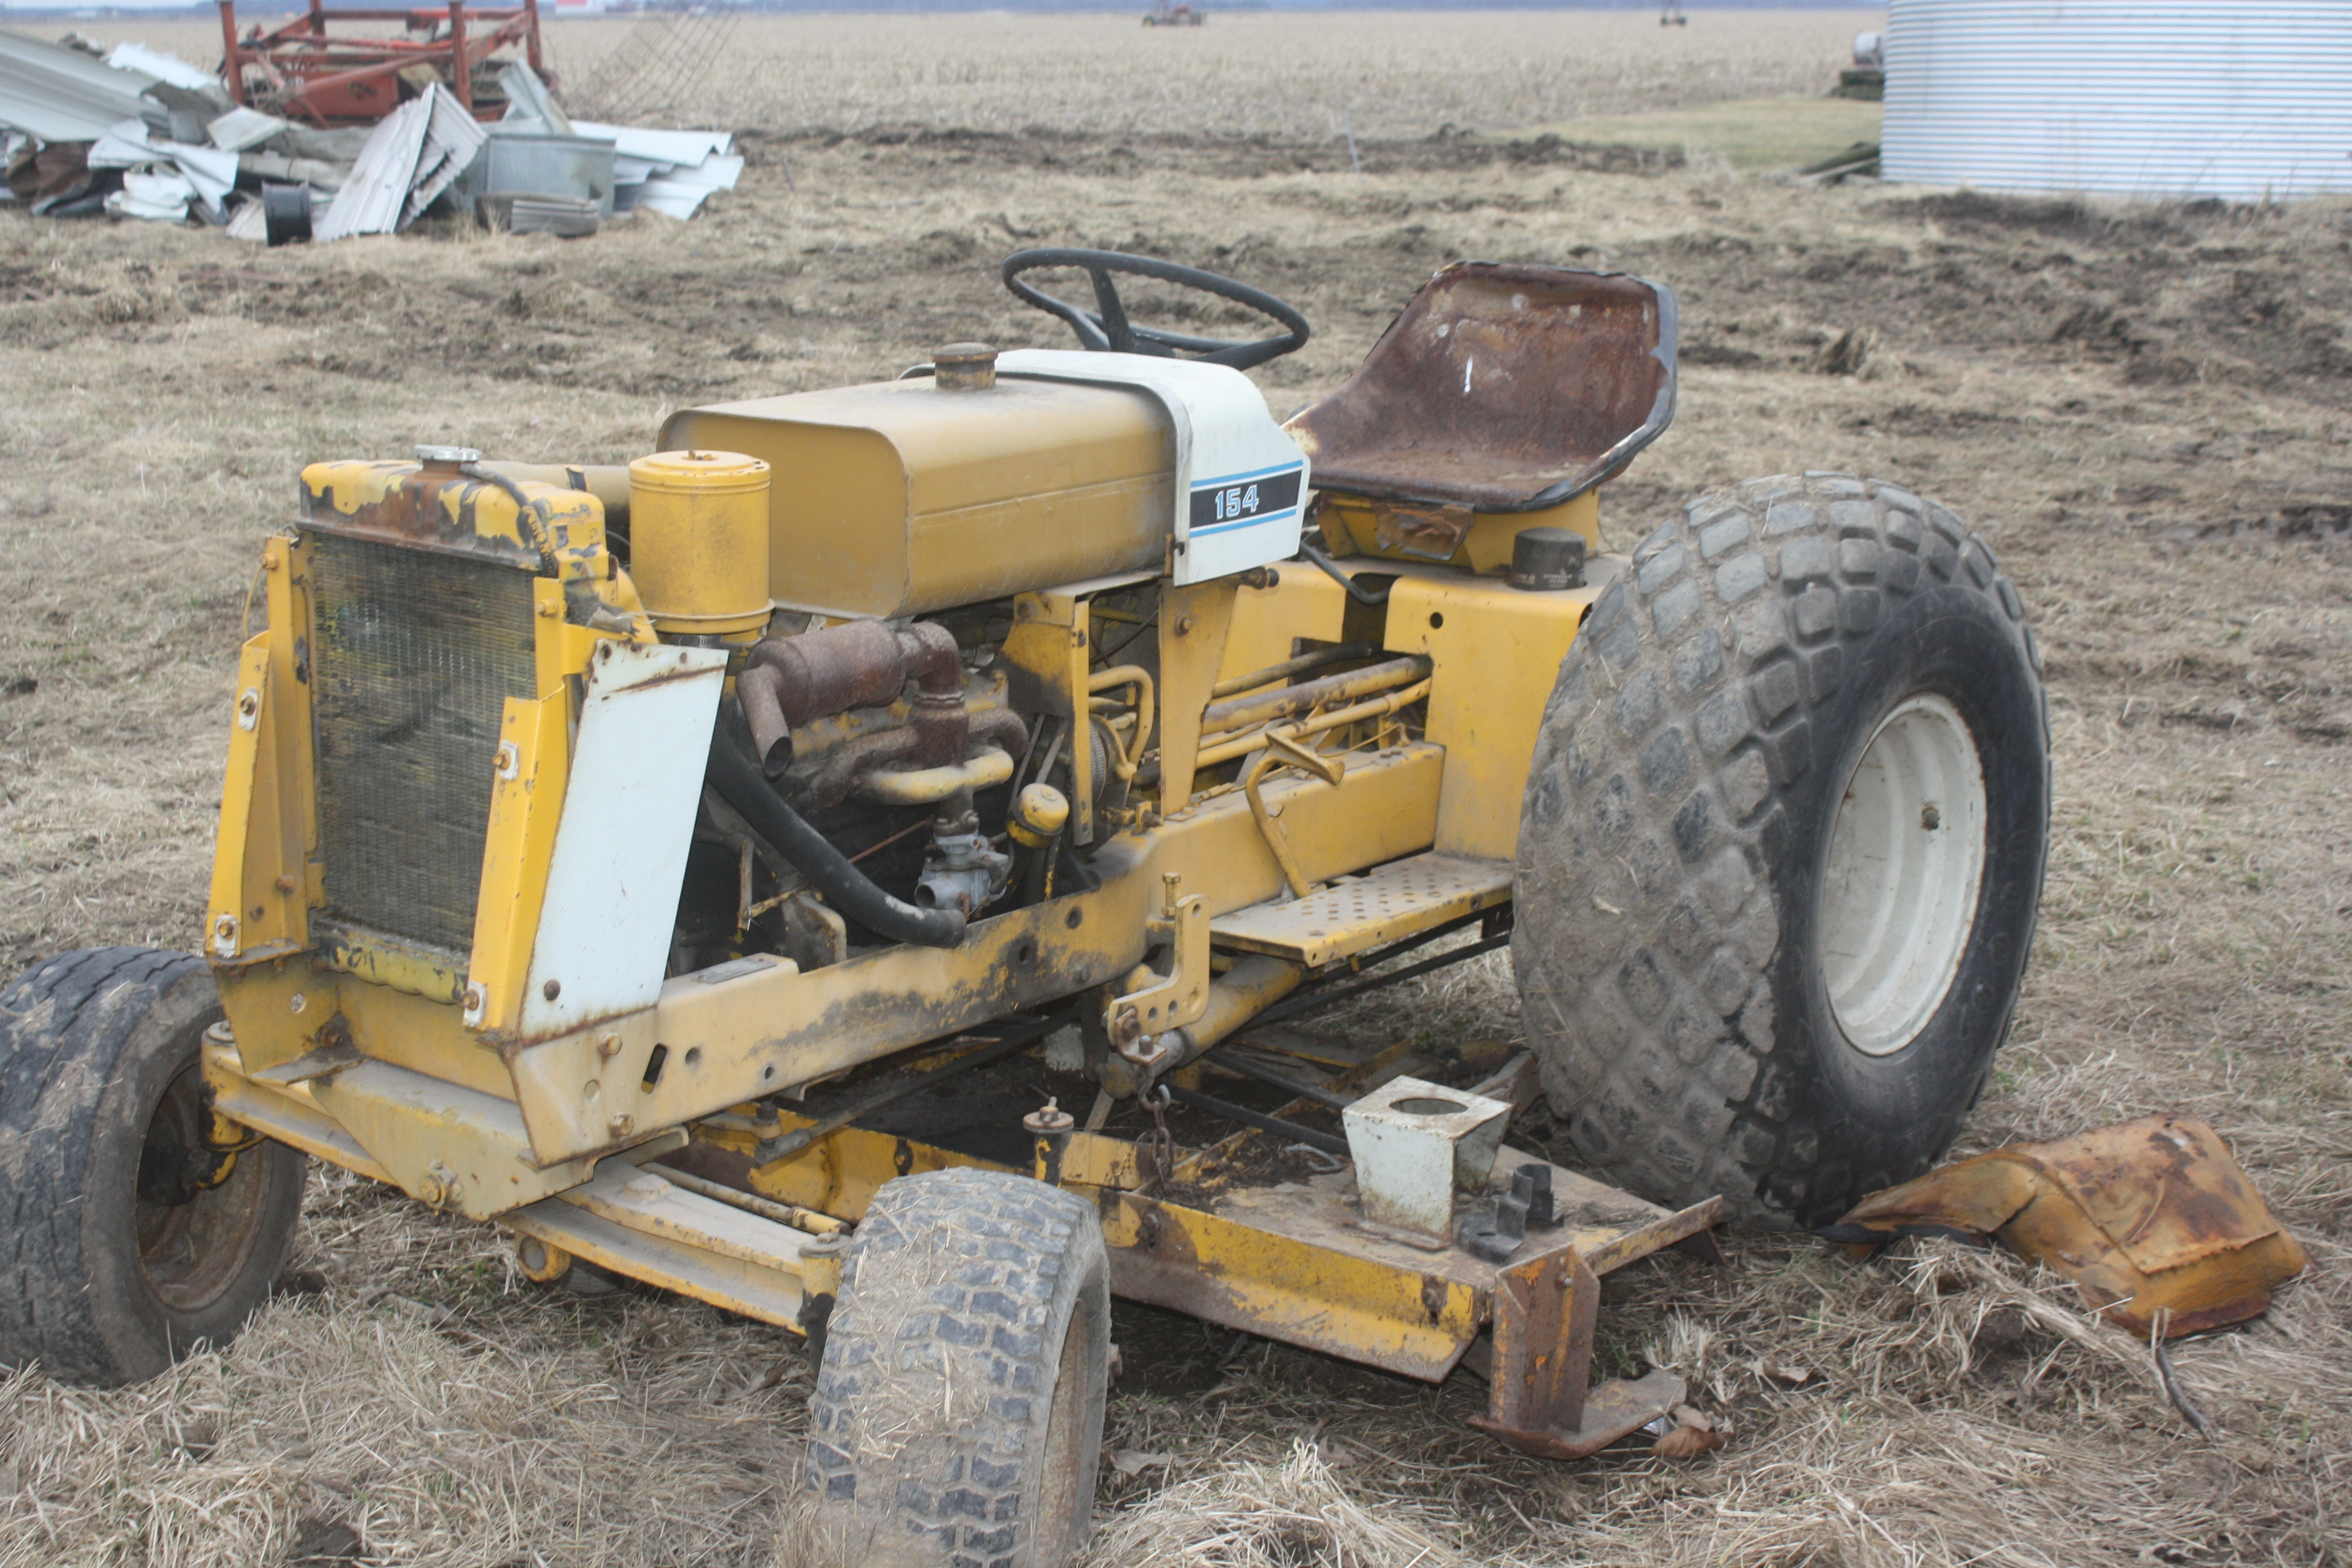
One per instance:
(299, 70)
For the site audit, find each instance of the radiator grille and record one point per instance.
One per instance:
(413, 654)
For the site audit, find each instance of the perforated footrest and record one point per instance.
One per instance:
(1356, 913)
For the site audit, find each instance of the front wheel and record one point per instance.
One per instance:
(959, 1407)
(126, 1237)
(1781, 848)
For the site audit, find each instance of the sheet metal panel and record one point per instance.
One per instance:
(2148, 98)
(621, 844)
(59, 94)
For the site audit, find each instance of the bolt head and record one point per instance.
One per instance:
(1051, 1119)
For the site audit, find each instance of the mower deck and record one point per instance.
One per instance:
(1248, 1233)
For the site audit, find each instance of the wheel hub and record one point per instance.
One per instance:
(1906, 865)
(194, 1228)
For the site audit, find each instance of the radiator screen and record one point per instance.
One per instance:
(413, 654)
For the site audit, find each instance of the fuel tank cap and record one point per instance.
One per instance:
(964, 367)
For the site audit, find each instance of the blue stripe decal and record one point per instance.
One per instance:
(1244, 522)
(1252, 474)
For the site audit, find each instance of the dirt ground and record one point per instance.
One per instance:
(2148, 411)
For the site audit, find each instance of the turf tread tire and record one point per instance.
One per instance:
(1662, 894)
(956, 1294)
(88, 1041)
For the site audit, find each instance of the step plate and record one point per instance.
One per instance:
(1353, 914)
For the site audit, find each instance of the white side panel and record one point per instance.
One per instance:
(2147, 99)
(160, 65)
(1240, 481)
(685, 147)
(620, 843)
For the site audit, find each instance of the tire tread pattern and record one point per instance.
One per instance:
(1647, 931)
(63, 1026)
(948, 1289)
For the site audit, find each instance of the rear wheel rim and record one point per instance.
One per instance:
(193, 1253)
(1903, 876)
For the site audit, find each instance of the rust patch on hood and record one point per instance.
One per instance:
(440, 507)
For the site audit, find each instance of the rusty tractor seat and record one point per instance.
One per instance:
(1501, 387)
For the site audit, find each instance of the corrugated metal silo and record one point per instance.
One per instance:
(2125, 98)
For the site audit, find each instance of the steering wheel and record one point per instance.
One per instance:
(1106, 329)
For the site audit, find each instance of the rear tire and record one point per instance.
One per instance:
(957, 1415)
(1782, 849)
(114, 1260)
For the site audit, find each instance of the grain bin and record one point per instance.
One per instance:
(2151, 99)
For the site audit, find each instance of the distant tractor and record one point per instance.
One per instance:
(1167, 15)
(1670, 13)
(1867, 79)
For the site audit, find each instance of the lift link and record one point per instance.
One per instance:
(1135, 1021)
(1282, 751)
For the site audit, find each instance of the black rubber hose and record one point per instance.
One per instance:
(528, 513)
(742, 784)
(1362, 595)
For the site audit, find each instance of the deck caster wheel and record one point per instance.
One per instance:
(1781, 848)
(959, 1407)
(540, 1263)
(126, 1238)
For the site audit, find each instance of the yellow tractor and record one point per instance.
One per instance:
(854, 865)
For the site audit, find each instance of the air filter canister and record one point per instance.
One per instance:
(699, 541)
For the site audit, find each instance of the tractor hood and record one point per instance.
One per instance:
(906, 497)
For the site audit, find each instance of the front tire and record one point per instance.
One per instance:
(958, 1417)
(123, 1245)
(1782, 845)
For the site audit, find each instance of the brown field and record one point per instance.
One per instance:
(2147, 411)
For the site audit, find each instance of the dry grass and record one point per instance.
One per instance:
(433, 1414)
(1761, 135)
(1297, 75)
(1252, 1514)
(2134, 405)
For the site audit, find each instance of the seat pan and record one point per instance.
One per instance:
(1501, 387)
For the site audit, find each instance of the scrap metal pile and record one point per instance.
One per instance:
(135, 134)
